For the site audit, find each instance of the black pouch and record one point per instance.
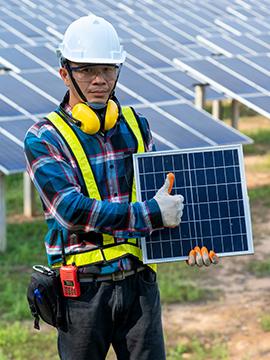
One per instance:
(44, 296)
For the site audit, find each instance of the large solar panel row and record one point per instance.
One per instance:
(152, 33)
(246, 44)
(242, 72)
(239, 78)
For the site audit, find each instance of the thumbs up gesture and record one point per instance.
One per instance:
(171, 206)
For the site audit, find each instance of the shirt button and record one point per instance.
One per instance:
(115, 194)
(111, 166)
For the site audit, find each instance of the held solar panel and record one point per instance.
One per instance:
(216, 212)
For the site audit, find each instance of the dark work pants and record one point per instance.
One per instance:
(125, 313)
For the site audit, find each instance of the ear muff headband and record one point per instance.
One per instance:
(90, 122)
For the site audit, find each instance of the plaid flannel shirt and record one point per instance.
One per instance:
(56, 177)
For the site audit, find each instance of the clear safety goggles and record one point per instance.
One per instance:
(87, 73)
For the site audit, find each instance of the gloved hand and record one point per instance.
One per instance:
(171, 206)
(201, 256)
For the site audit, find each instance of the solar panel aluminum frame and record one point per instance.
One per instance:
(245, 199)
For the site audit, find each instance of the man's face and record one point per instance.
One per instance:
(95, 81)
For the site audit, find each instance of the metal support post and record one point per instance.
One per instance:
(29, 196)
(216, 108)
(3, 232)
(200, 96)
(235, 113)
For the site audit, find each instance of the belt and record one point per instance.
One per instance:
(117, 276)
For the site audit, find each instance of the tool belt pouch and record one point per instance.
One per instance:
(44, 296)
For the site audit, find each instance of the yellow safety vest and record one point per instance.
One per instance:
(110, 249)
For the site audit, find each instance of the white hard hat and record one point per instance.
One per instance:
(92, 39)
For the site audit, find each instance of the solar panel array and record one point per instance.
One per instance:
(153, 33)
(216, 212)
(240, 68)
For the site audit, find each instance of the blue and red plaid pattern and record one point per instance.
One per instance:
(57, 178)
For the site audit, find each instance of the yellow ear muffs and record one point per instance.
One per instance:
(111, 115)
(90, 122)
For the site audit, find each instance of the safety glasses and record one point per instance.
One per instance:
(87, 73)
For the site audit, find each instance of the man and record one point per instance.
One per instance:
(80, 160)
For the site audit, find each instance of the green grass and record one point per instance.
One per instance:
(25, 248)
(259, 268)
(265, 322)
(260, 194)
(261, 143)
(14, 196)
(19, 342)
(198, 350)
(179, 283)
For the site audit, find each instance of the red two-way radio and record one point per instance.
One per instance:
(69, 281)
(69, 276)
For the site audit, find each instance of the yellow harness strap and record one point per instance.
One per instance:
(113, 251)
(133, 123)
(78, 151)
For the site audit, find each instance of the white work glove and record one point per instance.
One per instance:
(171, 206)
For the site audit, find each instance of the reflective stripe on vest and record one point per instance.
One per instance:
(110, 250)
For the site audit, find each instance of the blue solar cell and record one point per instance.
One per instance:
(206, 125)
(20, 27)
(144, 87)
(200, 50)
(10, 38)
(251, 44)
(145, 56)
(236, 25)
(214, 215)
(142, 29)
(173, 34)
(16, 58)
(125, 98)
(258, 24)
(227, 45)
(169, 51)
(17, 128)
(199, 22)
(176, 85)
(180, 77)
(7, 110)
(48, 82)
(24, 96)
(248, 71)
(170, 131)
(12, 158)
(264, 37)
(45, 54)
(261, 60)
(221, 77)
(183, 80)
(261, 102)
